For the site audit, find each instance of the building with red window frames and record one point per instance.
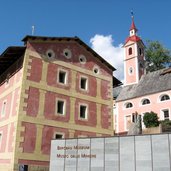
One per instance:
(51, 88)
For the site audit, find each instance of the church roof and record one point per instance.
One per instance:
(133, 25)
(133, 38)
(116, 91)
(150, 83)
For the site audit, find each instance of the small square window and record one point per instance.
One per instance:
(58, 136)
(62, 77)
(60, 107)
(83, 112)
(83, 83)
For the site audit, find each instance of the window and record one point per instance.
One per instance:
(83, 83)
(130, 51)
(58, 136)
(60, 107)
(96, 69)
(82, 59)
(50, 54)
(3, 111)
(128, 105)
(165, 114)
(67, 53)
(83, 112)
(140, 51)
(62, 77)
(145, 101)
(165, 97)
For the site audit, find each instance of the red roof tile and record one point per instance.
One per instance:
(133, 25)
(133, 38)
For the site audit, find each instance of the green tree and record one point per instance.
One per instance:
(157, 56)
(150, 119)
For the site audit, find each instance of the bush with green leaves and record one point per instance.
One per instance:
(150, 119)
(165, 123)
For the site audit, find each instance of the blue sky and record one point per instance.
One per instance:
(85, 19)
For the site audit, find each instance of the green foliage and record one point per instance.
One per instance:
(150, 119)
(166, 123)
(157, 56)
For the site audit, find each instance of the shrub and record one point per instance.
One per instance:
(165, 123)
(150, 119)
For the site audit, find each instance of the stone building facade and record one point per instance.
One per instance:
(51, 88)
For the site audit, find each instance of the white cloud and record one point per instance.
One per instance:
(103, 45)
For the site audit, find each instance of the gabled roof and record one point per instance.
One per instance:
(154, 82)
(76, 39)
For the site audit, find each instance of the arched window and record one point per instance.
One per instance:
(130, 51)
(164, 97)
(145, 101)
(128, 105)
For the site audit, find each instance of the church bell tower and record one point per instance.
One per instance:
(134, 58)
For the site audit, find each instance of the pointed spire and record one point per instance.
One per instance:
(133, 31)
(133, 27)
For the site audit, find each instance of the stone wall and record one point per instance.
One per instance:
(126, 153)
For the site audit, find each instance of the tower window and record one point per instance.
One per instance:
(130, 51)
(83, 112)
(140, 51)
(62, 77)
(60, 107)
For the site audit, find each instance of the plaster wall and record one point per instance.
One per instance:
(40, 91)
(9, 94)
(155, 105)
